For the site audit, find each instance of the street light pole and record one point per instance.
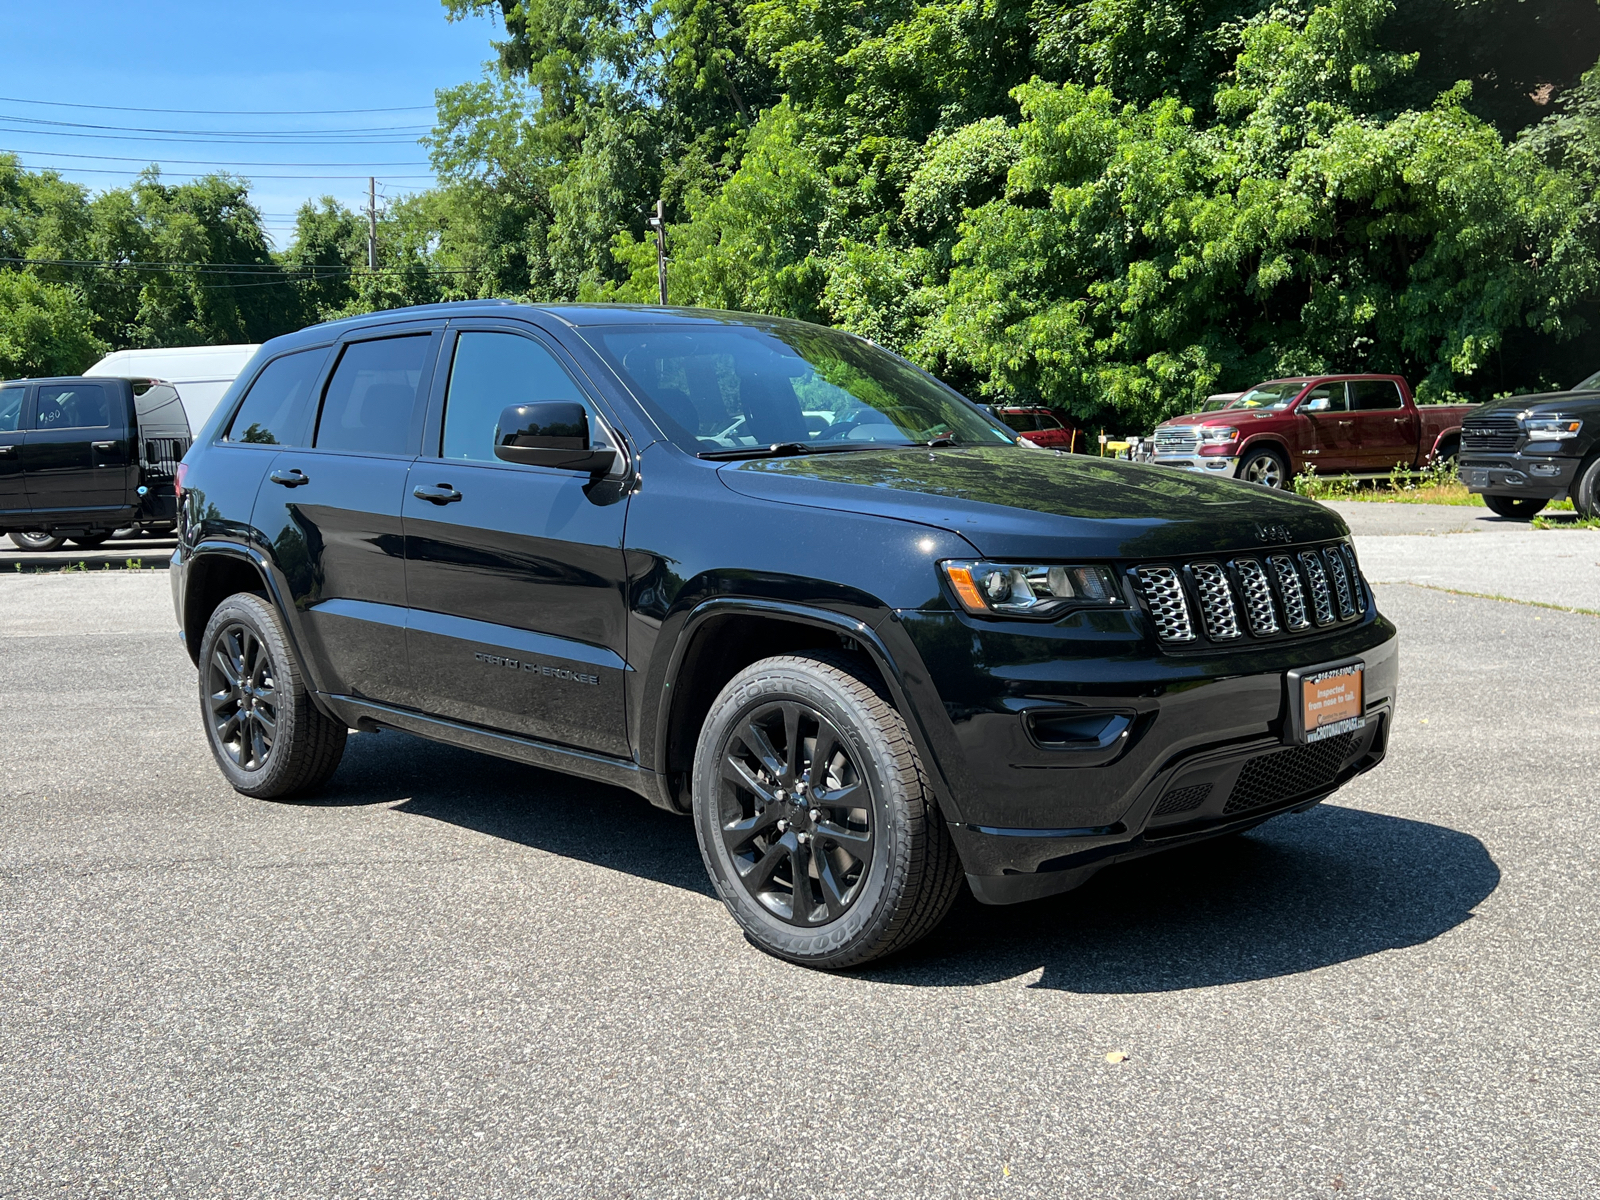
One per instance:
(659, 224)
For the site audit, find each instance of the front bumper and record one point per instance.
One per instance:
(1208, 463)
(1534, 476)
(1031, 817)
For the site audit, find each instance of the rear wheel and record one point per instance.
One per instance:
(1517, 507)
(38, 540)
(266, 735)
(814, 816)
(1265, 466)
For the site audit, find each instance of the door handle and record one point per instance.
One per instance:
(105, 445)
(1349, 422)
(8, 449)
(291, 478)
(441, 495)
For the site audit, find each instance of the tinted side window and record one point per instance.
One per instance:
(11, 408)
(1048, 422)
(1375, 393)
(1021, 422)
(491, 371)
(373, 392)
(1333, 393)
(74, 406)
(278, 407)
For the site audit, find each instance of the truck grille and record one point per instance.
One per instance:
(1495, 432)
(1176, 441)
(1256, 596)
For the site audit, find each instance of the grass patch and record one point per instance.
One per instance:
(1435, 484)
(1545, 521)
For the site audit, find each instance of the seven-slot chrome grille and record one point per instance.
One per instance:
(1253, 595)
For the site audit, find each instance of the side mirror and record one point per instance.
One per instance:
(1320, 404)
(552, 434)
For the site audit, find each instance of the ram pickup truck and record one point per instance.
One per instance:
(81, 457)
(1522, 452)
(1338, 424)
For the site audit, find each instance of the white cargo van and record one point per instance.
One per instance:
(200, 373)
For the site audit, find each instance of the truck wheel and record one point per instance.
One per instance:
(38, 540)
(814, 816)
(1586, 490)
(1266, 466)
(90, 540)
(1520, 507)
(266, 735)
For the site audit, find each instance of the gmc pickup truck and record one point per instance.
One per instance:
(1339, 424)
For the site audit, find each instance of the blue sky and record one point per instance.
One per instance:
(285, 55)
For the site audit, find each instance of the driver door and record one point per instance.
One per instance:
(1332, 447)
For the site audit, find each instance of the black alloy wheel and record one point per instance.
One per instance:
(243, 697)
(267, 736)
(1586, 490)
(1266, 467)
(1519, 508)
(814, 815)
(37, 540)
(796, 819)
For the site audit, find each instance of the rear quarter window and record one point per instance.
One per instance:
(277, 408)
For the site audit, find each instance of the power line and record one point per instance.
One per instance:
(213, 141)
(199, 175)
(245, 132)
(223, 112)
(254, 268)
(205, 162)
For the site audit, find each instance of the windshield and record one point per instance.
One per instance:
(1269, 395)
(1591, 384)
(731, 387)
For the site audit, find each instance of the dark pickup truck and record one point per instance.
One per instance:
(80, 458)
(1522, 452)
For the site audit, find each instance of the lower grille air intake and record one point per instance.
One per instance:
(1183, 800)
(1286, 775)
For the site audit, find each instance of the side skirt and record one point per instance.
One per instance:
(367, 714)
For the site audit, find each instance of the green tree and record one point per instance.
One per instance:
(45, 328)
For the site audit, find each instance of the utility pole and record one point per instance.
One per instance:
(372, 223)
(659, 224)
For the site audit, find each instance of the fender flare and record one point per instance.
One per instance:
(870, 640)
(263, 565)
(1276, 442)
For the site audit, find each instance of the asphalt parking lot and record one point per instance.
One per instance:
(456, 976)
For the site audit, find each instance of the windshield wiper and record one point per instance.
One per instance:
(790, 450)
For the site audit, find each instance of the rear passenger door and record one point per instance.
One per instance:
(1386, 431)
(77, 454)
(13, 495)
(332, 511)
(515, 573)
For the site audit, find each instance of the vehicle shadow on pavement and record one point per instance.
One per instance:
(575, 818)
(1300, 892)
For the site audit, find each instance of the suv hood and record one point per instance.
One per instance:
(1011, 502)
(1549, 402)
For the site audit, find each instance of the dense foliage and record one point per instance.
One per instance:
(1110, 206)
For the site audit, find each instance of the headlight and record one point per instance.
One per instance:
(1550, 429)
(1030, 589)
(1210, 433)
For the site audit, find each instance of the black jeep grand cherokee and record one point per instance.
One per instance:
(773, 576)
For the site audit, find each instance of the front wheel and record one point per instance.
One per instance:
(1265, 466)
(38, 540)
(814, 817)
(266, 735)
(1586, 491)
(1517, 507)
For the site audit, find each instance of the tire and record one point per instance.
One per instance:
(1266, 466)
(90, 540)
(888, 872)
(1586, 489)
(37, 540)
(1517, 507)
(283, 746)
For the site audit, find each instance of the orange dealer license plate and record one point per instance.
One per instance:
(1327, 701)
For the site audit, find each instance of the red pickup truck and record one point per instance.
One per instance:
(1340, 424)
